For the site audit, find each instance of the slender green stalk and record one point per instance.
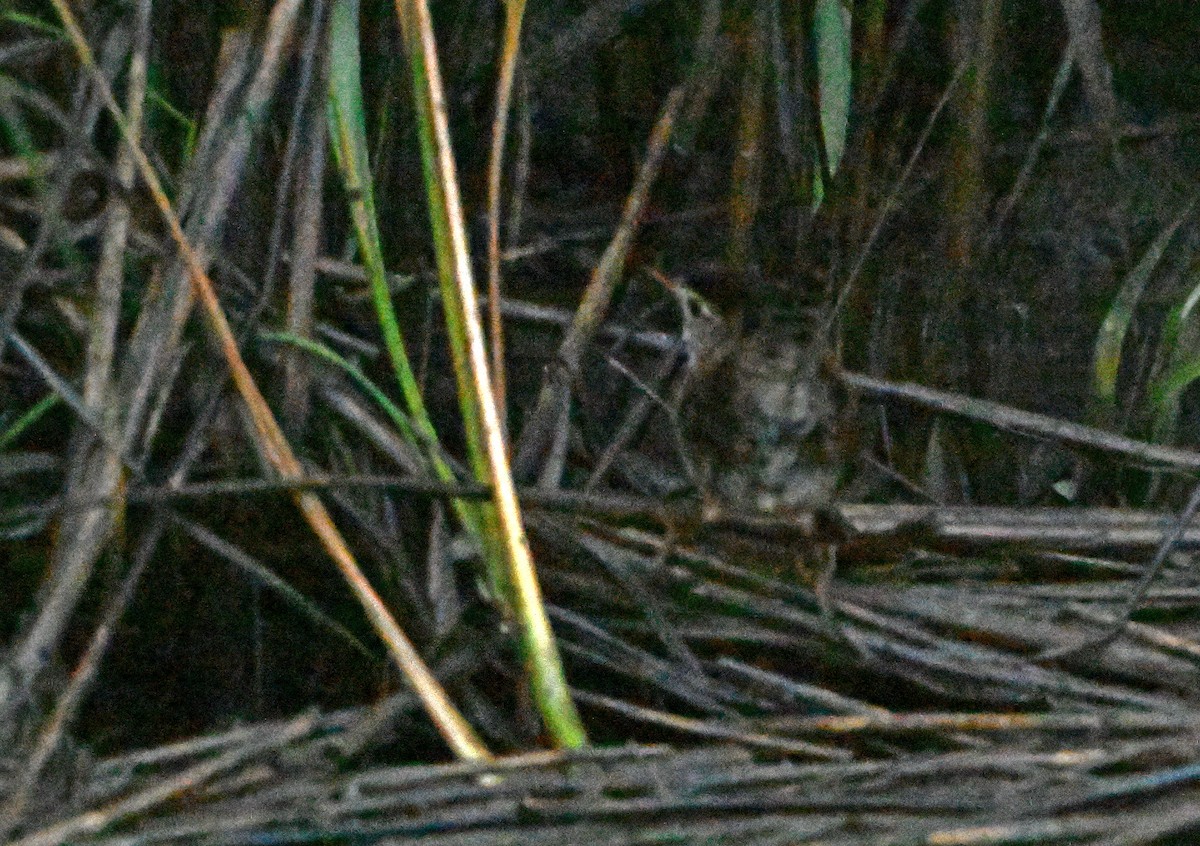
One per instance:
(1110, 340)
(35, 413)
(347, 120)
(395, 414)
(485, 436)
(1180, 349)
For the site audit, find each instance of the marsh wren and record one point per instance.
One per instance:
(763, 420)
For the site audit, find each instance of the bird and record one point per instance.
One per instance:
(763, 421)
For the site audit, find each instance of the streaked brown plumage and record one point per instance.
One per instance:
(762, 423)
